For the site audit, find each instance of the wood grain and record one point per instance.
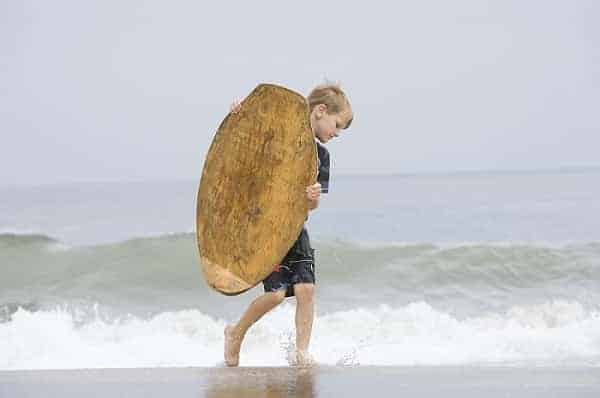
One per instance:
(251, 203)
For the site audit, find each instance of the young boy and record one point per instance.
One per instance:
(330, 112)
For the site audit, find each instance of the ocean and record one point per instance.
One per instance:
(484, 268)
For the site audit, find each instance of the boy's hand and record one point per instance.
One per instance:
(313, 192)
(235, 106)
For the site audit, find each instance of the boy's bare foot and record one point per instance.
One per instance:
(304, 359)
(232, 346)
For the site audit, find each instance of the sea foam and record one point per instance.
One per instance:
(415, 334)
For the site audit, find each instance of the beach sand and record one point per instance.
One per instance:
(294, 382)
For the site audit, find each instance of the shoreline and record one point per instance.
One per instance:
(221, 382)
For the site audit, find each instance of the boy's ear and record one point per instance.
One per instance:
(321, 109)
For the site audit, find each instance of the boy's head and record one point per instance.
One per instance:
(330, 111)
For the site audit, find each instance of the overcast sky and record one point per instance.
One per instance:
(134, 90)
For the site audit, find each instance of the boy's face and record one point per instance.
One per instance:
(327, 126)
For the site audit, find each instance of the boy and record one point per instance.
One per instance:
(330, 112)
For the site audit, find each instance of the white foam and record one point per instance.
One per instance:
(415, 334)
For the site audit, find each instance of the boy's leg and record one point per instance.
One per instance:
(304, 293)
(234, 334)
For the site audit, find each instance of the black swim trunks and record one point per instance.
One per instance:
(298, 266)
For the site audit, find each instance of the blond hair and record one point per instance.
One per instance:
(332, 96)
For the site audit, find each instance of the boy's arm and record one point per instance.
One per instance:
(235, 106)
(313, 193)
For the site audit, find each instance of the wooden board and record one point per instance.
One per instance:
(252, 202)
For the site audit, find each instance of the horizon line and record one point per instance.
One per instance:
(565, 169)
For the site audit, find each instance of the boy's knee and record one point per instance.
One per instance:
(304, 291)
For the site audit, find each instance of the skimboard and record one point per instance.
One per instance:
(251, 203)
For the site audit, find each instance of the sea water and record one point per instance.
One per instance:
(466, 268)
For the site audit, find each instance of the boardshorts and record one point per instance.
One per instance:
(298, 266)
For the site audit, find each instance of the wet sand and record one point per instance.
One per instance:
(293, 382)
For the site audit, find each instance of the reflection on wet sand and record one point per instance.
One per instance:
(261, 382)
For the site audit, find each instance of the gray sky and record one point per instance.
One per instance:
(134, 90)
